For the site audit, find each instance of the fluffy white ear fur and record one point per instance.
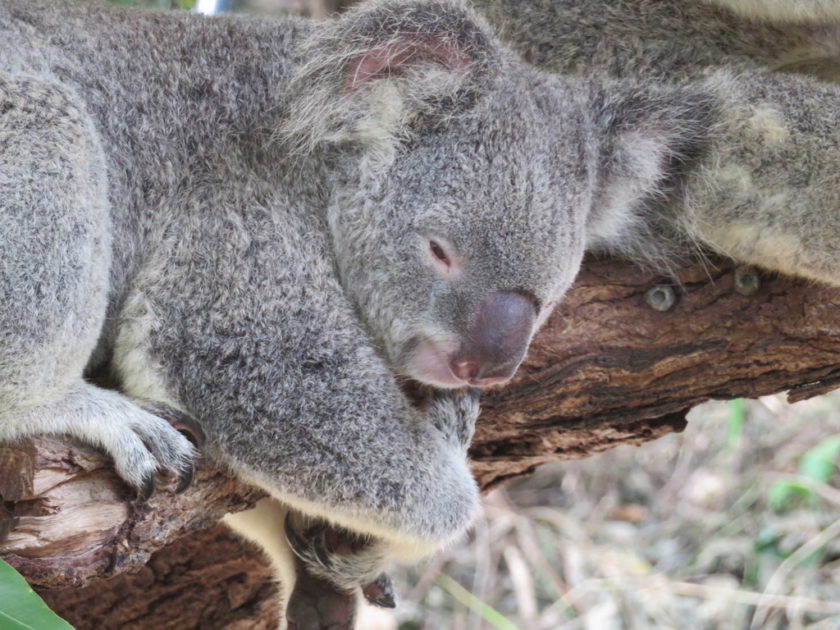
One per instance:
(401, 79)
(649, 136)
(635, 172)
(406, 51)
(383, 66)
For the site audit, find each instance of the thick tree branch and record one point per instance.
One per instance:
(72, 519)
(608, 369)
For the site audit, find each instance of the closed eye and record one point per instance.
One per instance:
(439, 253)
(443, 257)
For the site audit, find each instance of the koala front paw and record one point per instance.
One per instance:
(146, 443)
(140, 441)
(454, 412)
(173, 454)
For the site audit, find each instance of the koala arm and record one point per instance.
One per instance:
(258, 342)
(671, 39)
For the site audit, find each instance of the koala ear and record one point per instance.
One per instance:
(384, 69)
(648, 139)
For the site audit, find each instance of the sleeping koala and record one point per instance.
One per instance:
(270, 225)
(267, 225)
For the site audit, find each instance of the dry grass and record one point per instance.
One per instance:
(675, 534)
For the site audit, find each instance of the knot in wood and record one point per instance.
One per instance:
(661, 298)
(747, 280)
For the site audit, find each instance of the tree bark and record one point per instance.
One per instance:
(622, 360)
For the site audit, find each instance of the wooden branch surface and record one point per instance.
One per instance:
(72, 519)
(608, 369)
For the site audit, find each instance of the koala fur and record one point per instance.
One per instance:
(785, 10)
(664, 39)
(765, 190)
(269, 224)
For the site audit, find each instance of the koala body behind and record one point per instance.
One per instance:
(670, 39)
(765, 187)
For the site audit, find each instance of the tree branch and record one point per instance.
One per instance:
(608, 369)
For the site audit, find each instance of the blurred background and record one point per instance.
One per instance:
(735, 523)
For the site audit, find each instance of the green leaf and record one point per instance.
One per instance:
(21, 608)
(819, 462)
(737, 415)
(781, 494)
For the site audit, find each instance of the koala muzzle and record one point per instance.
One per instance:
(496, 340)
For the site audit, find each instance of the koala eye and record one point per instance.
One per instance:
(442, 257)
(437, 252)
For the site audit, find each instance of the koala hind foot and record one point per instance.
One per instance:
(331, 564)
(341, 557)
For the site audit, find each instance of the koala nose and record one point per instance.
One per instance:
(496, 339)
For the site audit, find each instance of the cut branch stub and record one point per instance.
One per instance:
(74, 519)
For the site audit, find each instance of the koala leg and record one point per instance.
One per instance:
(310, 599)
(769, 192)
(263, 525)
(54, 266)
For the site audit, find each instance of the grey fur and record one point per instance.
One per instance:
(235, 215)
(666, 39)
(765, 186)
(241, 232)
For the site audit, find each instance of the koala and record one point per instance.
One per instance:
(273, 226)
(765, 189)
(269, 226)
(785, 10)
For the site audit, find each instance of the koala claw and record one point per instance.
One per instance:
(145, 490)
(179, 420)
(188, 427)
(308, 551)
(185, 479)
(380, 592)
(347, 560)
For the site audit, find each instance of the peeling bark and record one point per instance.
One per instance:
(75, 520)
(608, 369)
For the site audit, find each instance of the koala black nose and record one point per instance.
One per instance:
(496, 339)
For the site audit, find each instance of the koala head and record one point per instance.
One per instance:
(461, 183)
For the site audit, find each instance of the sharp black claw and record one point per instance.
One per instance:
(297, 543)
(320, 552)
(380, 592)
(181, 421)
(185, 479)
(146, 490)
(190, 428)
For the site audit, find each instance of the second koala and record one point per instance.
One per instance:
(767, 190)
